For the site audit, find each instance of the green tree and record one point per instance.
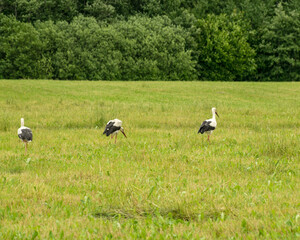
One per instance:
(33, 10)
(153, 48)
(223, 52)
(82, 50)
(21, 50)
(100, 10)
(140, 48)
(279, 51)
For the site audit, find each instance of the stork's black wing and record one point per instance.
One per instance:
(205, 126)
(26, 135)
(110, 128)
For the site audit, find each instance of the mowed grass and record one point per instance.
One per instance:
(164, 181)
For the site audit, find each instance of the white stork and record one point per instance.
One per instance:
(113, 127)
(209, 125)
(25, 134)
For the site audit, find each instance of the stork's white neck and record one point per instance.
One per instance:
(22, 122)
(214, 115)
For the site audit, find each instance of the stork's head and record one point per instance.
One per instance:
(22, 122)
(214, 110)
(122, 131)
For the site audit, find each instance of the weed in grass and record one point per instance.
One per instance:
(101, 122)
(4, 124)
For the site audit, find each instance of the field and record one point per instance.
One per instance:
(164, 181)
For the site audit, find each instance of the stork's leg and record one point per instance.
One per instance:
(116, 138)
(25, 148)
(111, 136)
(208, 137)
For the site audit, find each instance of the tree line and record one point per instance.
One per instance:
(215, 40)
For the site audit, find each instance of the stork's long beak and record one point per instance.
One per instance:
(122, 131)
(217, 114)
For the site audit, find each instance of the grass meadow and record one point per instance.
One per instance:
(164, 181)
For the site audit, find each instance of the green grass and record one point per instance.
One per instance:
(164, 181)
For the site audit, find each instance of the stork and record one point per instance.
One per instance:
(113, 127)
(25, 134)
(209, 125)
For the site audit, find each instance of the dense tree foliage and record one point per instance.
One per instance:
(228, 40)
(20, 50)
(223, 50)
(280, 47)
